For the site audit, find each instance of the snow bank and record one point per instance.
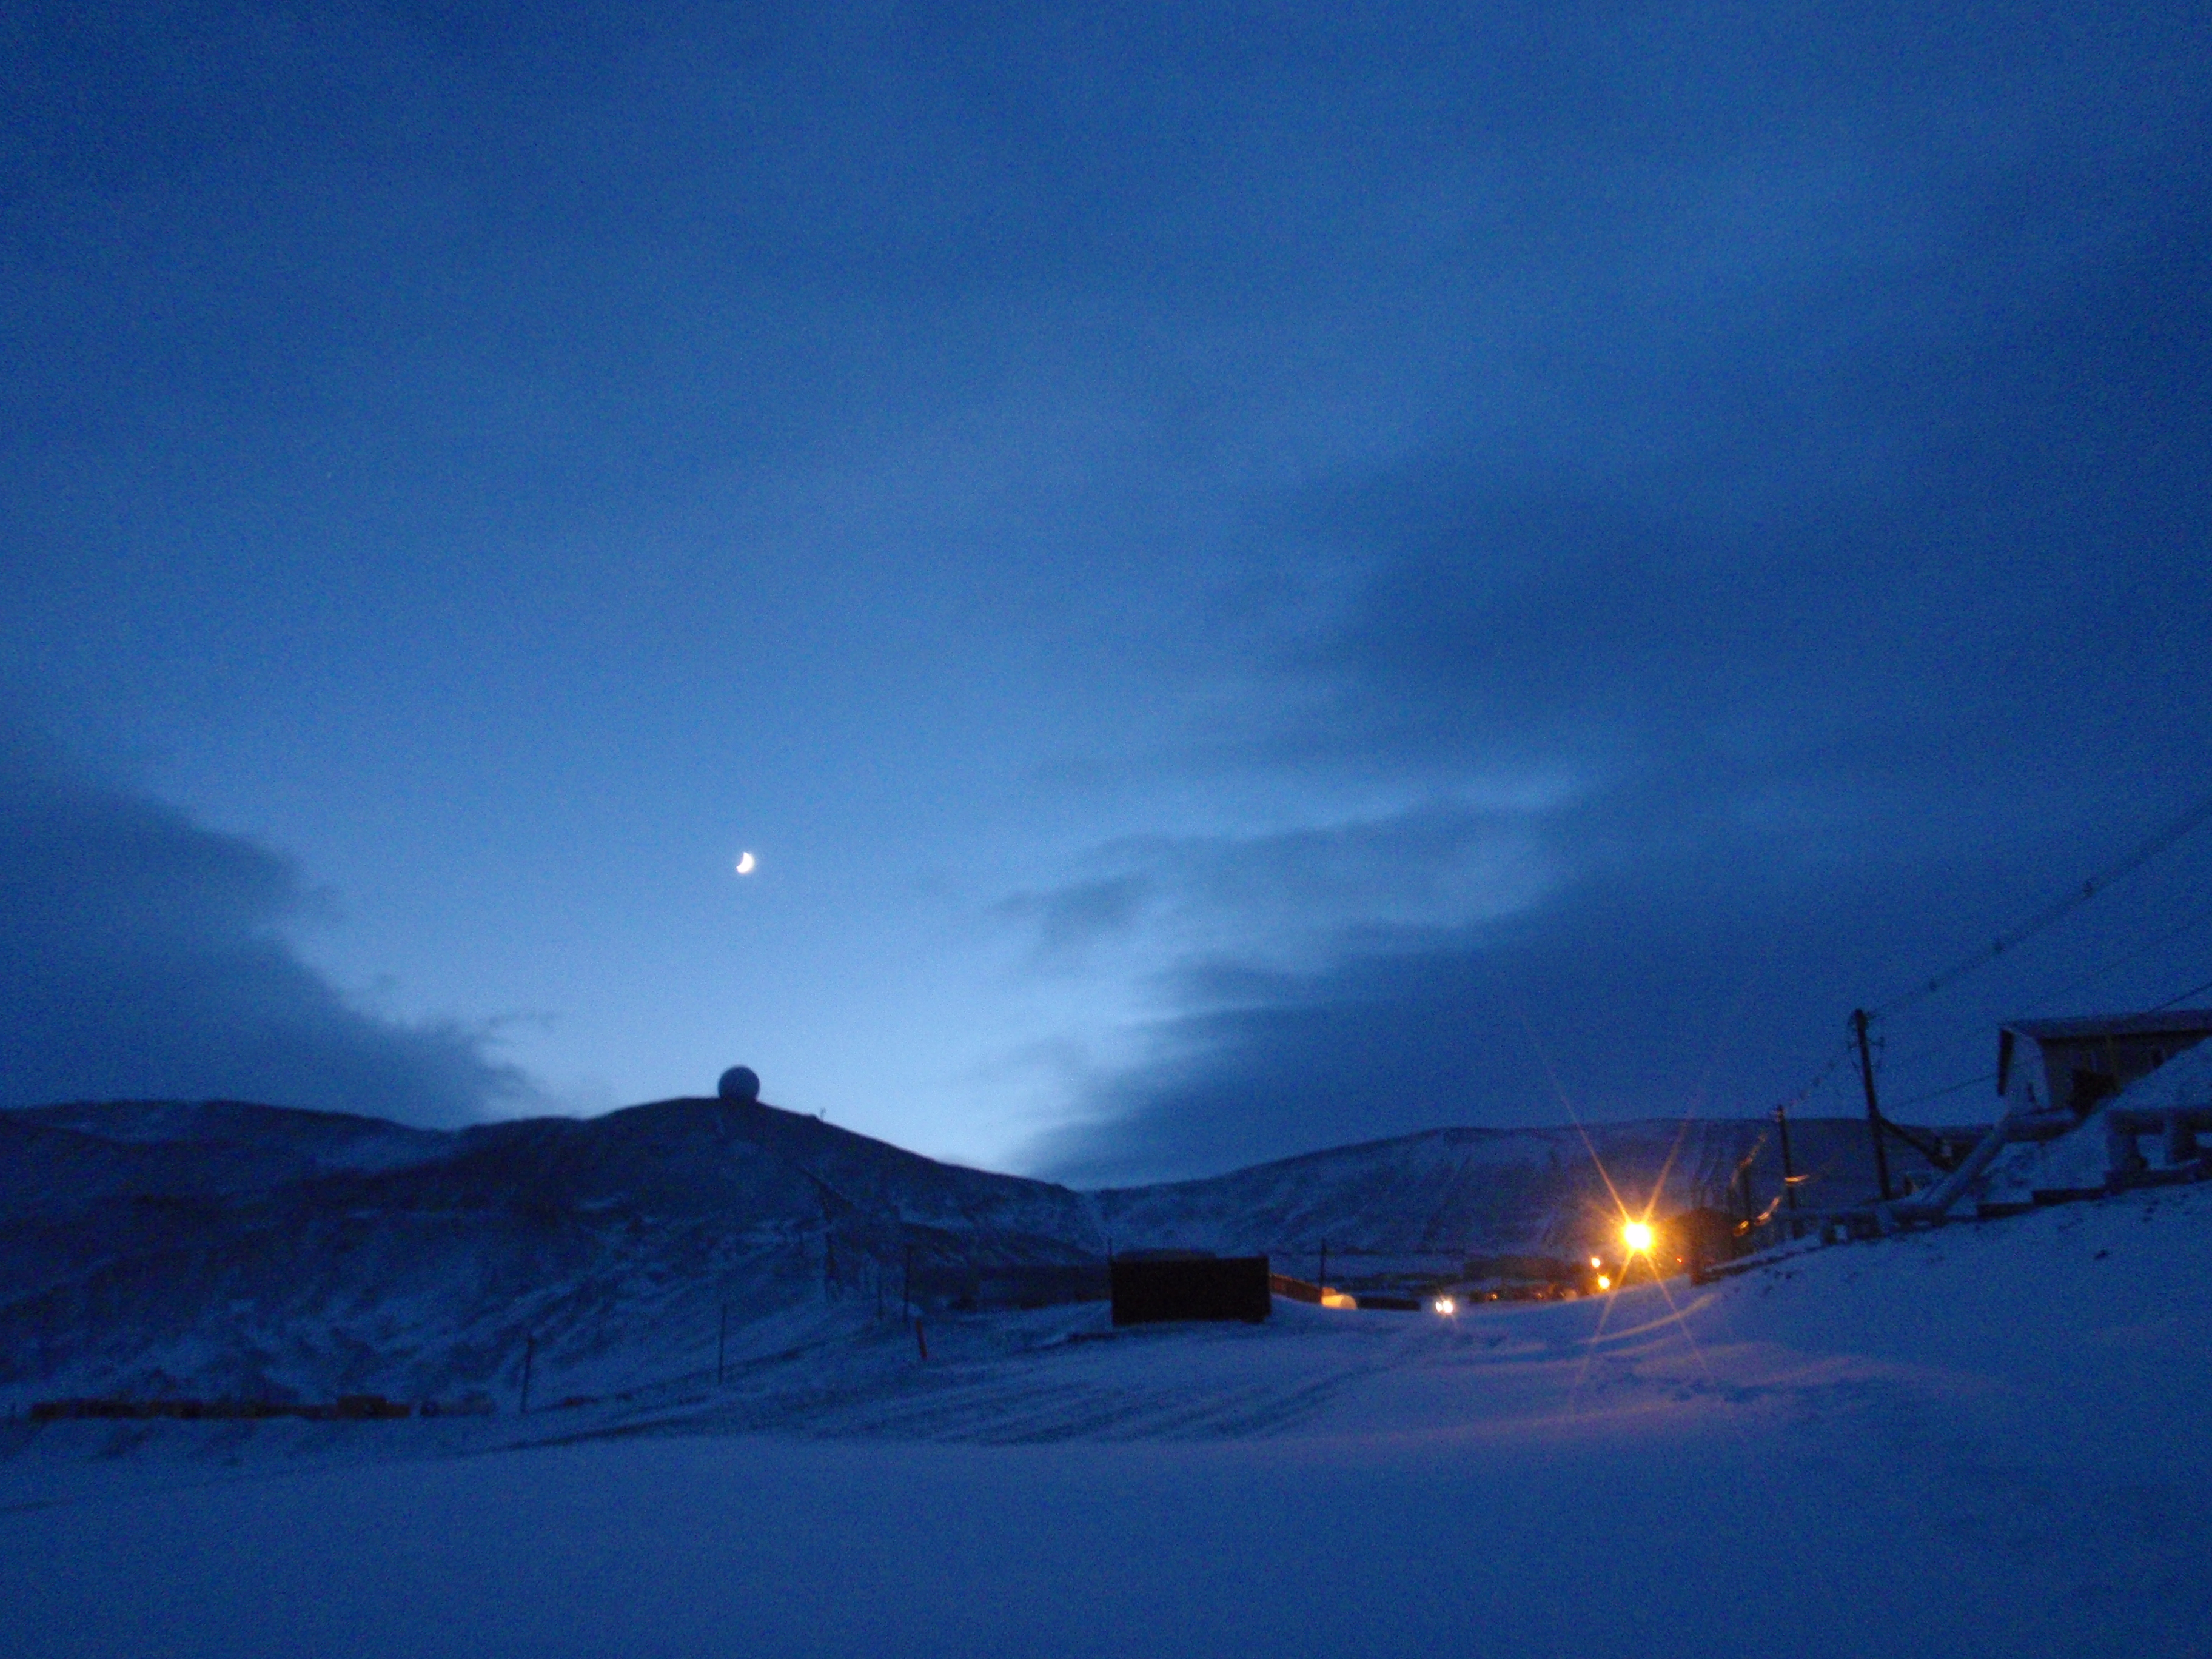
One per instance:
(1981, 1440)
(2079, 1159)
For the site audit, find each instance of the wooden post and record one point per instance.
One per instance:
(1789, 1172)
(1874, 1106)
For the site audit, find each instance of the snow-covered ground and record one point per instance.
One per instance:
(1988, 1439)
(222, 1250)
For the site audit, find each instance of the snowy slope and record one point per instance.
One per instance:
(56, 1159)
(1981, 1441)
(217, 1264)
(1458, 1192)
(225, 1250)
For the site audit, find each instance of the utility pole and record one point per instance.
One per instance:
(1789, 1169)
(1874, 1106)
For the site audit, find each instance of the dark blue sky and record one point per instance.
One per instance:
(1253, 576)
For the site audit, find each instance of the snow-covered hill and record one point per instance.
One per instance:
(221, 1248)
(1977, 1441)
(239, 1250)
(1450, 1194)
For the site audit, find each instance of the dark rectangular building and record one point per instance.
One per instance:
(1148, 1290)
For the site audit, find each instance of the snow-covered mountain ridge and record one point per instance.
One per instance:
(223, 1247)
(1967, 1442)
(1447, 1193)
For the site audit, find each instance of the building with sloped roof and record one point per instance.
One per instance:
(2074, 1064)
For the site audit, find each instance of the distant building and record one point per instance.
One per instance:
(1041, 1285)
(1164, 1286)
(2084, 1062)
(1695, 1241)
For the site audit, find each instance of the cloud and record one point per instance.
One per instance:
(1286, 895)
(1068, 921)
(1862, 630)
(1713, 977)
(144, 957)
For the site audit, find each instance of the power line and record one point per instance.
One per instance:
(1991, 1077)
(2196, 920)
(2057, 910)
(2073, 900)
(1938, 1094)
(1805, 1092)
(2044, 1000)
(2193, 990)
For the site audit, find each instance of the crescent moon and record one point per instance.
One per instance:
(746, 863)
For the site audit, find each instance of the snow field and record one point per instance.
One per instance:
(1984, 1440)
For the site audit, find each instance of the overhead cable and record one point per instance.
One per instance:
(2194, 990)
(1938, 1094)
(2059, 909)
(2042, 1001)
(2064, 906)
